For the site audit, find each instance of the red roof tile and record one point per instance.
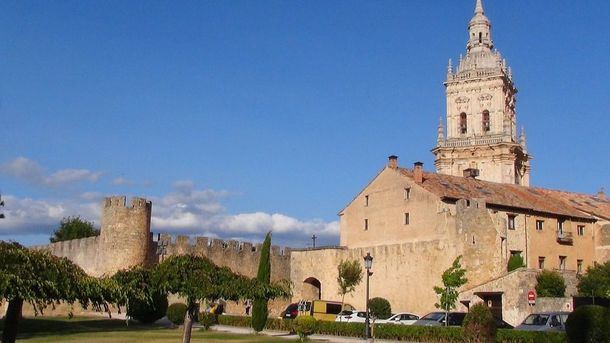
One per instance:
(499, 194)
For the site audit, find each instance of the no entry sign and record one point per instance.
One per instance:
(531, 298)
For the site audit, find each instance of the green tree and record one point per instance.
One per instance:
(143, 301)
(73, 228)
(350, 276)
(550, 284)
(514, 262)
(380, 308)
(41, 279)
(260, 311)
(453, 278)
(479, 324)
(595, 282)
(196, 278)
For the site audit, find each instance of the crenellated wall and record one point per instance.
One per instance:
(83, 252)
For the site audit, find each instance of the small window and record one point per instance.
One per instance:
(366, 200)
(485, 121)
(580, 229)
(511, 221)
(540, 262)
(406, 218)
(407, 193)
(560, 227)
(539, 225)
(463, 123)
(366, 224)
(562, 262)
(579, 266)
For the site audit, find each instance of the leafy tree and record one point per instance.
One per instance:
(479, 324)
(589, 323)
(73, 228)
(595, 282)
(514, 262)
(380, 308)
(41, 279)
(453, 278)
(260, 311)
(144, 302)
(550, 284)
(196, 278)
(350, 276)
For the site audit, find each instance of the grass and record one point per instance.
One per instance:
(96, 330)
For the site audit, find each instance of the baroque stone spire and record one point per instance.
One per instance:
(479, 30)
(440, 136)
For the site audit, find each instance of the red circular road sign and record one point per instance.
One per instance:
(531, 297)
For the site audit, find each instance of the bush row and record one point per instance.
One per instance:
(400, 332)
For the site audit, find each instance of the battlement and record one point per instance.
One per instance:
(183, 244)
(121, 201)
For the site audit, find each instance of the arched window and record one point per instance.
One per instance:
(463, 123)
(485, 121)
(480, 37)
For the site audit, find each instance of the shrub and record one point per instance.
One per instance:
(176, 313)
(589, 323)
(518, 336)
(207, 319)
(304, 326)
(550, 284)
(380, 308)
(479, 324)
(514, 262)
(145, 312)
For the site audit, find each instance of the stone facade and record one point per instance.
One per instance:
(481, 118)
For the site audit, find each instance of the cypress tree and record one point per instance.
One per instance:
(259, 306)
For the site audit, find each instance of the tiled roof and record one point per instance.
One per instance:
(499, 194)
(598, 206)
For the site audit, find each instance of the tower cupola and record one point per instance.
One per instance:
(479, 30)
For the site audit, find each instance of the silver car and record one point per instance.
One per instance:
(544, 321)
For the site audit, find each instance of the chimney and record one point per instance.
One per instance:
(601, 194)
(393, 161)
(418, 172)
(471, 173)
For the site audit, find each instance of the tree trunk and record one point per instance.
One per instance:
(342, 305)
(188, 323)
(11, 321)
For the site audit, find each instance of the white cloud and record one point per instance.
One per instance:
(185, 210)
(30, 171)
(121, 181)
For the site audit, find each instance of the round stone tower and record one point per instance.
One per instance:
(125, 237)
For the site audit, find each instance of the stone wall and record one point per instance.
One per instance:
(513, 288)
(83, 252)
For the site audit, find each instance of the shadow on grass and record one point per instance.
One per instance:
(41, 326)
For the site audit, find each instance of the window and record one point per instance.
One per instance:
(540, 262)
(485, 121)
(511, 221)
(366, 200)
(580, 229)
(366, 224)
(463, 123)
(539, 225)
(560, 227)
(579, 266)
(562, 262)
(480, 37)
(407, 193)
(515, 253)
(406, 218)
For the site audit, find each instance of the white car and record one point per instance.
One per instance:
(403, 318)
(351, 316)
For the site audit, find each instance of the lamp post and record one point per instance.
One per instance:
(368, 263)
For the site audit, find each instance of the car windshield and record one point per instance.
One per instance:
(346, 313)
(536, 319)
(436, 316)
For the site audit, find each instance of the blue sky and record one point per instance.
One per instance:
(239, 116)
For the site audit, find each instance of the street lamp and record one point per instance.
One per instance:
(368, 263)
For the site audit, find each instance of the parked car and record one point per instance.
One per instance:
(291, 311)
(351, 316)
(403, 318)
(321, 309)
(438, 319)
(544, 321)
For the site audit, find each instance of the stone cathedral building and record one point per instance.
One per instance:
(479, 204)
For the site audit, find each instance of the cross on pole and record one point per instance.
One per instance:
(313, 238)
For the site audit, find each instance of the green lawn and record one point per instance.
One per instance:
(97, 330)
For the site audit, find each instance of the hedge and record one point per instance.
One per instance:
(401, 332)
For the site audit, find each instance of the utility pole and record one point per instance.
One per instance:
(313, 238)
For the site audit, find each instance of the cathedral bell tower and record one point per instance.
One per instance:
(481, 129)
